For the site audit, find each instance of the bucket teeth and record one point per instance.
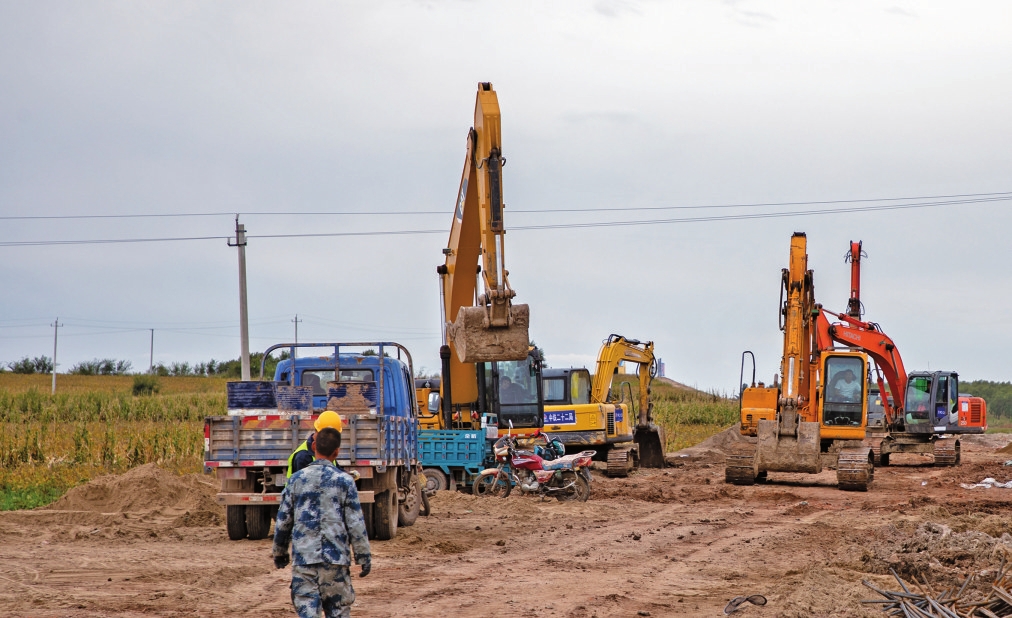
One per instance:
(740, 465)
(946, 452)
(854, 470)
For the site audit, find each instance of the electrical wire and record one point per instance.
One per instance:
(1007, 194)
(985, 198)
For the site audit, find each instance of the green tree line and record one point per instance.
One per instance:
(998, 396)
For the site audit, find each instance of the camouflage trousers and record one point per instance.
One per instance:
(325, 587)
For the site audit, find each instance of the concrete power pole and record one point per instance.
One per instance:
(151, 363)
(240, 243)
(56, 329)
(296, 321)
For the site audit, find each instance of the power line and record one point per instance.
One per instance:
(552, 226)
(1006, 194)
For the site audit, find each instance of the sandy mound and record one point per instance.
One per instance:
(145, 488)
(712, 449)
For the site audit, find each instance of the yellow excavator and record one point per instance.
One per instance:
(488, 366)
(814, 414)
(582, 412)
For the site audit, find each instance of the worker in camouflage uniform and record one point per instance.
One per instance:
(321, 516)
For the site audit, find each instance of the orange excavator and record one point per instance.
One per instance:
(813, 416)
(921, 410)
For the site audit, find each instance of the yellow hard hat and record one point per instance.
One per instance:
(329, 418)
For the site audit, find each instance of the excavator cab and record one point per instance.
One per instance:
(843, 414)
(932, 402)
(513, 391)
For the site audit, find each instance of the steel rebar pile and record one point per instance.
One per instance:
(949, 603)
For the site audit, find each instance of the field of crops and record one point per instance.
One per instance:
(94, 425)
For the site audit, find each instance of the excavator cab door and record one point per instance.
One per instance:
(843, 413)
(515, 392)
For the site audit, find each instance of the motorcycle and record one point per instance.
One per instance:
(564, 478)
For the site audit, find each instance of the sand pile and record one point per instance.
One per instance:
(712, 449)
(145, 488)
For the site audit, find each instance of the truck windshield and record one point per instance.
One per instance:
(844, 396)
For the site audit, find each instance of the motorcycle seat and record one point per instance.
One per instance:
(557, 464)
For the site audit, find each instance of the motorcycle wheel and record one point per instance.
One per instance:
(580, 490)
(492, 483)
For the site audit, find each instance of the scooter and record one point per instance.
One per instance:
(565, 478)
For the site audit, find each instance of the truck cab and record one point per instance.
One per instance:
(369, 385)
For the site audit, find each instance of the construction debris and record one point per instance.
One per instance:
(948, 603)
(987, 483)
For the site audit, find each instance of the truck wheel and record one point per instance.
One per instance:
(407, 511)
(367, 518)
(435, 480)
(235, 522)
(384, 515)
(258, 522)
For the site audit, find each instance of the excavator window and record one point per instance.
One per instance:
(555, 390)
(918, 399)
(844, 397)
(580, 387)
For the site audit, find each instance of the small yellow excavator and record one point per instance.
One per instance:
(583, 412)
(814, 415)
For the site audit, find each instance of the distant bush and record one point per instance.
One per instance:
(102, 367)
(145, 385)
(39, 364)
(997, 394)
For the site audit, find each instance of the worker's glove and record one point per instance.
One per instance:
(281, 562)
(366, 563)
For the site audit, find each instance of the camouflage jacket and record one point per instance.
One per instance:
(321, 517)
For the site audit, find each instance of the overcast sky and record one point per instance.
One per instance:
(253, 107)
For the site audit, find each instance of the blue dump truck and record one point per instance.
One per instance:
(370, 385)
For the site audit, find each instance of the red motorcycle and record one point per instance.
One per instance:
(565, 478)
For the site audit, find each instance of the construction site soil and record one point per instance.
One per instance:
(671, 542)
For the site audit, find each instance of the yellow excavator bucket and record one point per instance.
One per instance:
(477, 342)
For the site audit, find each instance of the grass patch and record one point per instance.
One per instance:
(16, 499)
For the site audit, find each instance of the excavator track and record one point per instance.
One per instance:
(740, 467)
(854, 469)
(875, 444)
(947, 452)
(621, 461)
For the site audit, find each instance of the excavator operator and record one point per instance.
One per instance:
(846, 387)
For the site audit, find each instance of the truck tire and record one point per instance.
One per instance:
(258, 522)
(235, 522)
(407, 511)
(367, 518)
(435, 480)
(384, 515)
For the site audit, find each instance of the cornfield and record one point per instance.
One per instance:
(49, 443)
(688, 416)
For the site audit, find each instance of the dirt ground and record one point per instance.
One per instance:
(672, 542)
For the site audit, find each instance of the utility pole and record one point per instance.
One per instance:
(296, 321)
(56, 329)
(240, 243)
(151, 363)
